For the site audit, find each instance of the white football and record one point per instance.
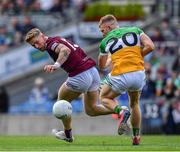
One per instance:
(61, 109)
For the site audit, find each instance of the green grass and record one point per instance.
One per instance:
(89, 143)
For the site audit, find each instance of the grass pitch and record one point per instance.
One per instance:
(89, 143)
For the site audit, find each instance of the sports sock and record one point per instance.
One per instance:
(136, 131)
(117, 109)
(68, 133)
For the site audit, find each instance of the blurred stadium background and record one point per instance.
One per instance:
(27, 93)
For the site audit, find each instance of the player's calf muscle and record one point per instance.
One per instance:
(134, 98)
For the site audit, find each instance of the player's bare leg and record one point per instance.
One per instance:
(107, 96)
(91, 106)
(134, 98)
(66, 94)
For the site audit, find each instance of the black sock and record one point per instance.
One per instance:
(136, 131)
(68, 133)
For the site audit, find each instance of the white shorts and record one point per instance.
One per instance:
(132, 81)
(86, 81)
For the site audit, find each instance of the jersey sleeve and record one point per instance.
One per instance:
(102, 49)
(52, 44)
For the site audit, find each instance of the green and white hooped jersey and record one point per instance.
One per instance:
(125, 48)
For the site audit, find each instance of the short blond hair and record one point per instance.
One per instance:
(107, 18)
(31, 34)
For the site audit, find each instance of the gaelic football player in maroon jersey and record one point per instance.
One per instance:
(83, 77)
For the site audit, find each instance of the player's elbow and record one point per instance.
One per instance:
(101, 67)
(90, 112)
(150, 46)
(102, 62)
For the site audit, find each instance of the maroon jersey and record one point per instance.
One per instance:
(77, 61)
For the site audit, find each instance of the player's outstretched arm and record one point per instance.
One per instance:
(148, 45)
(63, 54)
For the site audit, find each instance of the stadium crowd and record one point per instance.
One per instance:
(163, 75)
(15, 7)
(13, 35)
(16, 17)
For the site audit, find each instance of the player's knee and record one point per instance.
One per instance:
(90, 112)
(104, 101)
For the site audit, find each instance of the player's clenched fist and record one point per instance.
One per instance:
(49, 68)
